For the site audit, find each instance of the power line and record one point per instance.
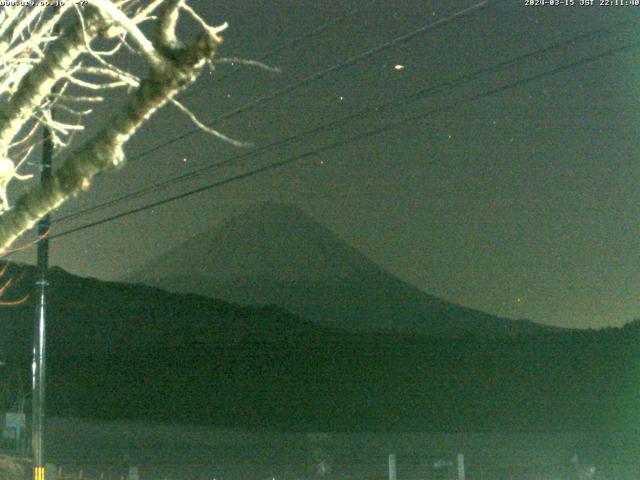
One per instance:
(357, 115)
(292, 44)
(368, 134)
(323, 73)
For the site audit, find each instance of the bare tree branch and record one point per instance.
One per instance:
(42, 67)
(39, 81)
(105, 149)
(107, 8)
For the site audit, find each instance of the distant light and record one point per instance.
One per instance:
(399, 67)
(341, 98)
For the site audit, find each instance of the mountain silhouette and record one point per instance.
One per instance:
(116, 350)
(277, 254)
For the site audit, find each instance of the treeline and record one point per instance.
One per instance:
(122, 351)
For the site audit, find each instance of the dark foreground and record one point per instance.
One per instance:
(119, 351)
(162, 451)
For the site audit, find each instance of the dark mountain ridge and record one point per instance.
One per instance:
(128, 351)
(277, 254)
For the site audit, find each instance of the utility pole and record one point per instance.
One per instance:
(39, 337)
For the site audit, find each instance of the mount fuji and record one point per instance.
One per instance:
(274, 254)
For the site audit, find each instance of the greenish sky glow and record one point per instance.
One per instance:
(522, 204)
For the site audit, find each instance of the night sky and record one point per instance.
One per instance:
(522, 204)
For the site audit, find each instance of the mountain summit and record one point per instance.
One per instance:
(277, 254)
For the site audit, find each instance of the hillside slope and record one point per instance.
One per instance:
(277, 254)
(125, 351)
